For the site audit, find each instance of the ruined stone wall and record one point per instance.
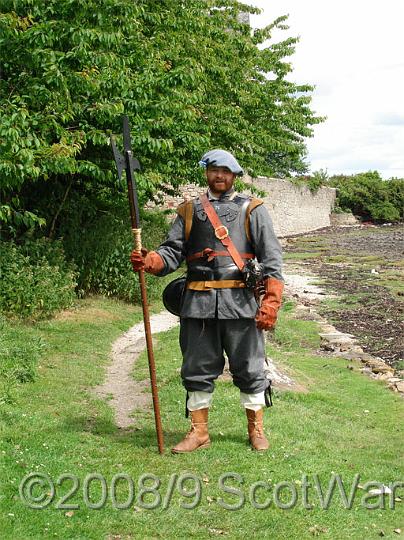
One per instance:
(294, 209)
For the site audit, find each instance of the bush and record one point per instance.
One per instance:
(99, 241)
(314, 182)
(19, 355)
(35, 280)
(396, 194)
(369, 196)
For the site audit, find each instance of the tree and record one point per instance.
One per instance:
(190, 75)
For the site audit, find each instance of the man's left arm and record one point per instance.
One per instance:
(268, 252)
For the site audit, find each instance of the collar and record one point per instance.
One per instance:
(228, 196)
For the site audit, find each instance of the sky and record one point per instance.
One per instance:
(352, 51)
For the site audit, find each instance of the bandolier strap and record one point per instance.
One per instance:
(221, 232)
(186, 211)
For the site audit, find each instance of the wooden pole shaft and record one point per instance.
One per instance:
(152, 364)
(130, 165)
(137, 239)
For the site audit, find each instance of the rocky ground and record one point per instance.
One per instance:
(363, 266)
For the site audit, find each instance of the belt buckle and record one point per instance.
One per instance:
(221, 236)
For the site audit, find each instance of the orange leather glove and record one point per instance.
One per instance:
(271, 302)
(149, 261)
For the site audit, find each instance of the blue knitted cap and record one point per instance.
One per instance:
(221, 158)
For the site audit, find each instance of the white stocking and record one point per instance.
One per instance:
(199, 400)
(254, 402)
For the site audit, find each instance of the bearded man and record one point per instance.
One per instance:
(220, 312)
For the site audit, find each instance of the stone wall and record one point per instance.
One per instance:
(344, 219)
(294, 209)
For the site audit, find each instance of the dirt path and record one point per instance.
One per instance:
(120, 388)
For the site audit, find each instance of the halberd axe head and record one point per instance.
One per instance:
(120, 158)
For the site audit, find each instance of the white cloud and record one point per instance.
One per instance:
(389, 119)
(352, 51)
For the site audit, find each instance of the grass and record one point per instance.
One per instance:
(347, 302)
(20, 350)
(345, 423)
(301, 256)
(392, 280)
(368, 259)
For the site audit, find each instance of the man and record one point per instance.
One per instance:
(219, 313)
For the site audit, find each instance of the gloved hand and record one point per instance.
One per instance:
(271, 302)
(149, 261)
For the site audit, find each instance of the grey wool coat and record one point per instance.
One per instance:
(237, 303)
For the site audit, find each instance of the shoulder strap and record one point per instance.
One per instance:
(186, 211)
(221, 232)
(253, 204)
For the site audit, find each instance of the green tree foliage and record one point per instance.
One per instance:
(100, 245)
(190, 75)
(369, 196)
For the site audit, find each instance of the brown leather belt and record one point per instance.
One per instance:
(210, 254)
(218, 284)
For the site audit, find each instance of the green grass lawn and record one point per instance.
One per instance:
(343, 424)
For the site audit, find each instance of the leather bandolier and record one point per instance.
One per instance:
(207, 258)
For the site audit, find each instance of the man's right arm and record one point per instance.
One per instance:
(172, 250)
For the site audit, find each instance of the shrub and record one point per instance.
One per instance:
(19, 355)
(396, 194)
(99, 242)
(314, 182)
(35, 280)
(369, 196)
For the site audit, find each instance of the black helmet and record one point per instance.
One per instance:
(173, 295)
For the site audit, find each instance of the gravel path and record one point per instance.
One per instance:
(122, 391)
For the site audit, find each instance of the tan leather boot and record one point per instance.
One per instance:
(198, 436)
(256, 430)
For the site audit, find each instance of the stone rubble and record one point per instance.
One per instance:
(336, 343)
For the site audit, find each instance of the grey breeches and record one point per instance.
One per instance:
(203, 342)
